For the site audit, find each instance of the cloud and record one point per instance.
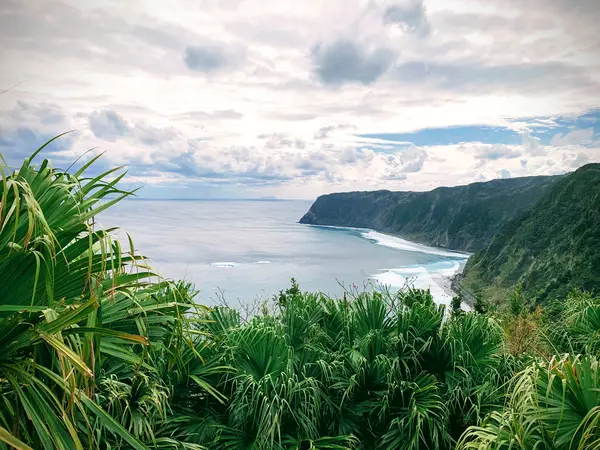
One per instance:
(473, 76)
(579, 160)
(108, 125)
(222, 114)
(349, 156)
(413, 159)
(46, 114)
(238, 167)
(20, 143)
(325, 132)
(393, 175)
(496, 152)
(575, 137)
(313, 163)
(504, 173)
(450, 80)
(532, 145)
(410, 16)
(279, 140)
(211, 57)
(277, 160)
(113, 39)
(25, 127)
(345, 61)
(153, 136)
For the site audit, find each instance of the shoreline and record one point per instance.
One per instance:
(445, 283)
(391, 234)
(451, 286)
(468, 297)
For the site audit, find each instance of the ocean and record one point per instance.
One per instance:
(244, 250)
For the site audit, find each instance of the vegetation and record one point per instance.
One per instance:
(93, 341)
(463, 218)
(99, 352)
(552, 250)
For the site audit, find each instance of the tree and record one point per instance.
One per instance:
(456, 305)
(76, 311)
(516, 301)
(481, 305)
(551, 404)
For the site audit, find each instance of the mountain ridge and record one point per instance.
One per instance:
(552, 249)
(463, 218)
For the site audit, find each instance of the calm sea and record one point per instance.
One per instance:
(246, 250)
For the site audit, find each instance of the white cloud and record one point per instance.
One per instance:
(575, 137)
(504, 173)
(410, 15)
(496, 151)
(580, 160)
(212, 57)
(532, 145)
(413, 159)
(108, 125)
(243, 92)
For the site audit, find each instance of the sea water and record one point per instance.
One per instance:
(243, 250)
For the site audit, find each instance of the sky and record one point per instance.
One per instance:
(260, 98)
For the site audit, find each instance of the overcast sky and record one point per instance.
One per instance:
(294, 99)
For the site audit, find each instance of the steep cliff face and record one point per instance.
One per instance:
(461, 218)
(553, 248)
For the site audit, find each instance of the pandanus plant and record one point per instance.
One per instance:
(74, 308)
(552, 405)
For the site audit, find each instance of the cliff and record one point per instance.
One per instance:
(553, 248)
(461, 218)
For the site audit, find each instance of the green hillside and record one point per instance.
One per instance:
(553, 249)
(461, 218)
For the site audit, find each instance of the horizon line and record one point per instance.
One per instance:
(216, 199)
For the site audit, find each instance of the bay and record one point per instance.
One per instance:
(244, 250)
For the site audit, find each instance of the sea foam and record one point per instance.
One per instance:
(398, 243)
(226, 265)
(433, 276)
(402, 244)
(428, 276)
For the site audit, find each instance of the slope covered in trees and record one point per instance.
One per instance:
(552, 249)
(461, 218)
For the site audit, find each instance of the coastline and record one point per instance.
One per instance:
(448, 284)
(451, 286)
(455, 280)
(445, 283)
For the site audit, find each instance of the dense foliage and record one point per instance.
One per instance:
(552, 250)
(462, 218)
(100, 352)
(88, 332)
